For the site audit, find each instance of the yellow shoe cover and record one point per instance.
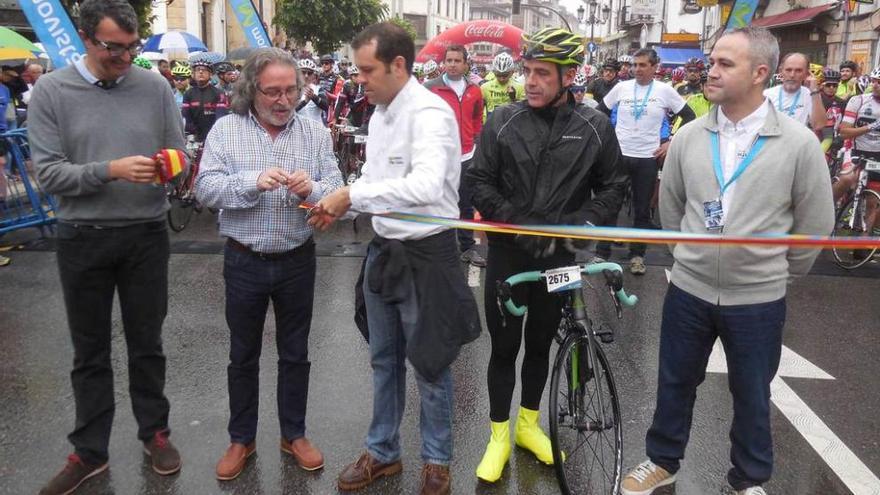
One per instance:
(497, 453)
(530, 436)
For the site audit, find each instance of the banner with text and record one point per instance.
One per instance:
(251, 23)
(742, 13)
(55, 31)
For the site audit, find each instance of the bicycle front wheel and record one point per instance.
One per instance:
(850, 259)
(585, 427)
(180, 213)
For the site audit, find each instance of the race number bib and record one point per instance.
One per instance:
(563, 279)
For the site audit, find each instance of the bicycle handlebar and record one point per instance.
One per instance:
(611, 271)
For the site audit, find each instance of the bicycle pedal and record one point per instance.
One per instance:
(605, 334)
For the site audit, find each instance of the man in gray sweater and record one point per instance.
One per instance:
(744, 169)
(94, 127)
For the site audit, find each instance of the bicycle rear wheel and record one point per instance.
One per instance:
(180, 213)
(582, 395)
(850, 259)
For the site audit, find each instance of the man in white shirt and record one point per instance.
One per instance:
(792, 98)
(640, 110)
(418, 305)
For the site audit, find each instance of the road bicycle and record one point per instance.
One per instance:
(181, 192)
(584, 410)
(351, 151)
(850, 216)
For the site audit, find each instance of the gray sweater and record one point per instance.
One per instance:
(786, 189)
(75, 128)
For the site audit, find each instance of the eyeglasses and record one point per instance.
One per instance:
(116, 50)
(578, 90)
(276, 94)
(181, 78)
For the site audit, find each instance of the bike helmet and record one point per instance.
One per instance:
(181, 70)
(678, 74)
(695, 63)
(202, 63)
(142, 62)
(611, 64)
(875, 74)
(223, 67)
(554, 45)
(863, 83)
(829, 75)
(580, 80)
(326, 58)
(849, 64)
(625, 59)
(816, 71)
(430, 67)
(503, 63)
(417, 68)
(353, 70)
(308, 64)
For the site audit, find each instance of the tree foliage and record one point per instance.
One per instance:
(327, 25)
(143, 9)
(406, 25)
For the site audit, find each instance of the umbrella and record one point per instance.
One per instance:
(14, 46)
(210, 57)
(240, 53)
(174, 41)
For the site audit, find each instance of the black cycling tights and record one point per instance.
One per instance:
(541, 322)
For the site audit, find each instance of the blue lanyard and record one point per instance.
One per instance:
(638, 110)
(743, 165)
(791, 109)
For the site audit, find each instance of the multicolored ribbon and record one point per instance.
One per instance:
(645, 236)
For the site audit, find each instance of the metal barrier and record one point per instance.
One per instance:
(26, 204)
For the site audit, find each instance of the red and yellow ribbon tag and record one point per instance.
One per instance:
(172, 164)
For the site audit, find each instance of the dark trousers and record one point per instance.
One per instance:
(250, 283)
(465, 210)
(752, 339)
(642, 174)
(507, 333)
(94, 264)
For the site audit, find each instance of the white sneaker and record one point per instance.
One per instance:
(637, 265)
(752, 490)
(645, 478)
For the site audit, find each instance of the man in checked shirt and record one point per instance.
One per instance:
(259, 163)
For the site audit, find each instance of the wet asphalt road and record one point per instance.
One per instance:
(832, 321)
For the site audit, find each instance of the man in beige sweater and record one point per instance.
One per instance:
(743, 169)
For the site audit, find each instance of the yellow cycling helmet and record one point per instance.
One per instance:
(555, 45)
(181, 70)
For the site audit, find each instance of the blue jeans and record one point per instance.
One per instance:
(752, 338)
(250, 283)
(389, 325)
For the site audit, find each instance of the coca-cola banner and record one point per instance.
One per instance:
(472, 32)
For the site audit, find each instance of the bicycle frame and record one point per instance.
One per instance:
(580, 319)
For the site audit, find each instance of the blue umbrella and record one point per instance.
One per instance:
(174, 41)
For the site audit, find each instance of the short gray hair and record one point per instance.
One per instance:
(245, 89)
(763, 47)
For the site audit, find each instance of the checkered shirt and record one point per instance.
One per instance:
(237, 151)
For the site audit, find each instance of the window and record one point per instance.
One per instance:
(456, 9)
(447, 8)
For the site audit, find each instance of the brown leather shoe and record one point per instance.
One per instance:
(163, 454)
(75, 472)
(233, 461)
(307, 455)
(365, 471)
(435, 480)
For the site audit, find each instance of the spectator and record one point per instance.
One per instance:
(769, 177)
(792, 98)
(94, 127)
(269, 254)
(466, 101)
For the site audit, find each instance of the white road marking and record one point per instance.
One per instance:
(845, 464)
